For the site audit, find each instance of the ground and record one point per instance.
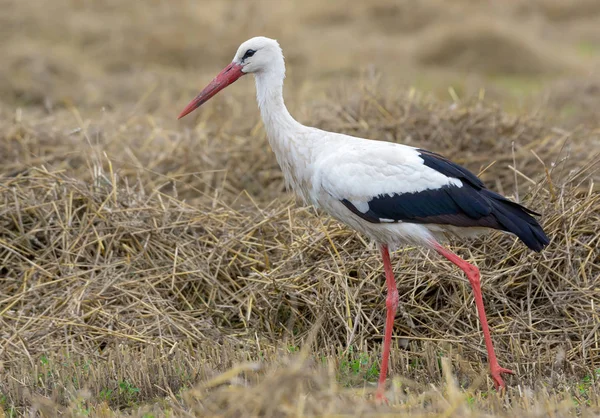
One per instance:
(155, 267)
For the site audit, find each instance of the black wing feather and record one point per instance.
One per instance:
(472, 205)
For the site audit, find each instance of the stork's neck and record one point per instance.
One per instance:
(269, 95)
(288, 138)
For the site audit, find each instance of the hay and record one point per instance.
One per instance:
(293, 386)
(107, 260)
(405, 17)
(558, 11)
(154, 267)
(484, 46)
(576, 101)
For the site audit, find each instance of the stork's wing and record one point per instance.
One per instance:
(404, 184)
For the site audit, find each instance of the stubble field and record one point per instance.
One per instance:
(155, 267)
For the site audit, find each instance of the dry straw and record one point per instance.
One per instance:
(167, 275)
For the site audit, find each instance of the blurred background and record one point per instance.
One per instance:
(152, 56)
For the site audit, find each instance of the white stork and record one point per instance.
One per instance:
(392, 193)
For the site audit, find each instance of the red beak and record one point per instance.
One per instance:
(229, 74)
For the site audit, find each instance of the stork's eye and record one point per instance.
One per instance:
(248, 54)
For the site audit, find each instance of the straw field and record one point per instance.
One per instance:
(154, 267)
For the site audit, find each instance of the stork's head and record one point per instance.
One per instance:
(258, 55)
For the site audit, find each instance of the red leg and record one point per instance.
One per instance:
(473, 275)
(391, 304)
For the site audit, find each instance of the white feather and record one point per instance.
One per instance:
(325, 167)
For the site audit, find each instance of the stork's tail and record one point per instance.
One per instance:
(517, 219)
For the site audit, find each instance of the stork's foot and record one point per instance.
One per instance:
(496, 372)
(381, 399)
